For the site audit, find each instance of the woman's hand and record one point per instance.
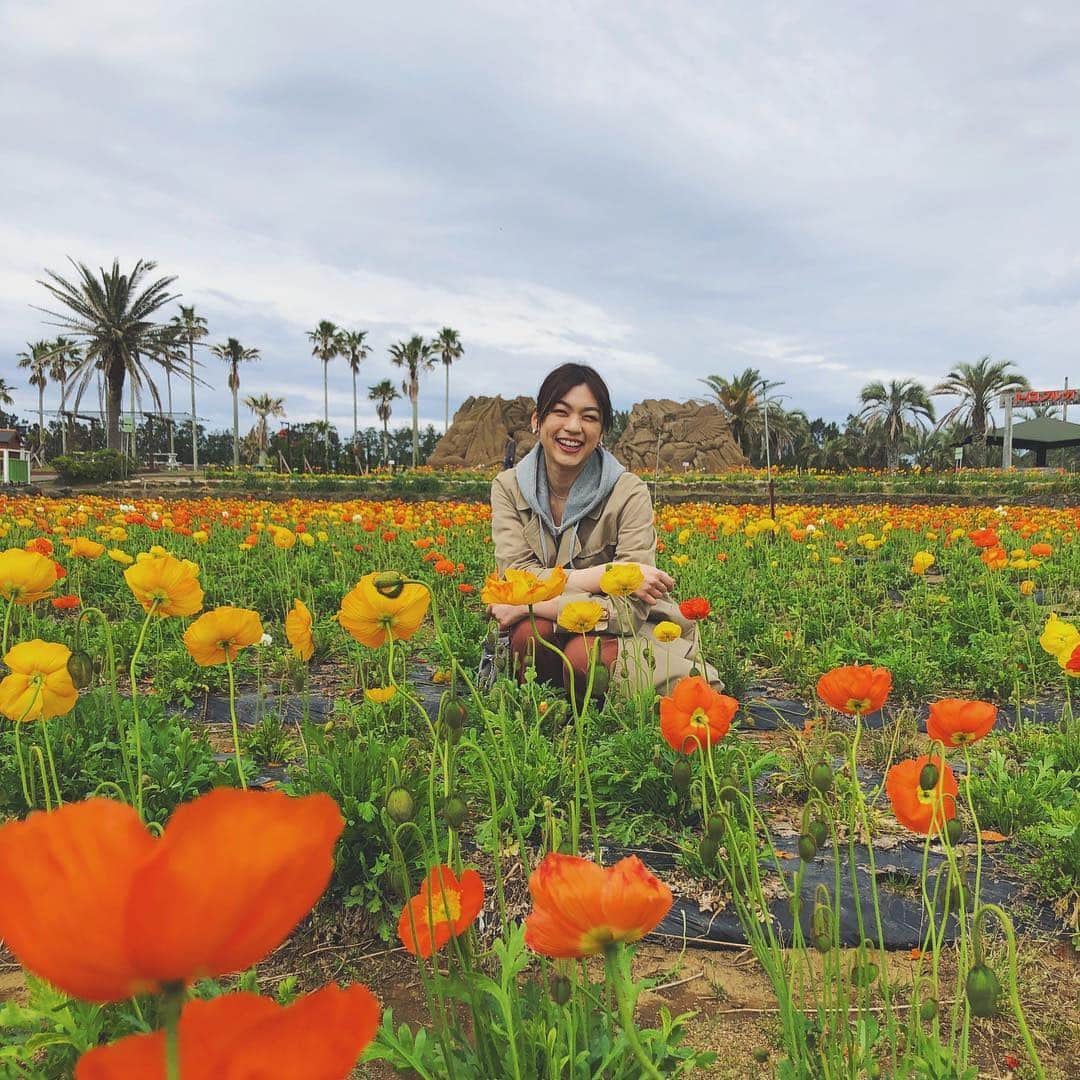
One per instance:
(508, 615)
(657, 585)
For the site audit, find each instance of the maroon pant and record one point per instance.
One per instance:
(550, 667)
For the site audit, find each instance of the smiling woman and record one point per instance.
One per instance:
(570, 504)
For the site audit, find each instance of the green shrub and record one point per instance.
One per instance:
(95, 467)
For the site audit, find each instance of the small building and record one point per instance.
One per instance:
(14, 458)
(1042, 434)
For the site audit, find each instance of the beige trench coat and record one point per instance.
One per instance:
(620, 529)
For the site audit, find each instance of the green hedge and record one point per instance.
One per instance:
(94, 467)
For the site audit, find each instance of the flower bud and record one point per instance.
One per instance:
(681, 775)
(715, 827)
(708, 851)
(819, 831)
(455, 811)
(928, 1010)
(389, 584)
(821, 928)
(954, 831)
(928, 777)
(81, 669)
(601, 679)
(400, 805)
(560, 989)
(454, 714)
(983, 989)
(864, 974)
(807, 848)
(821, 777)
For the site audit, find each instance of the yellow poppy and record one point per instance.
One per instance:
(25, 576)
(298, 630)
(667, 631)
(39, 686)
(121, 557)
(84, 548)
(380, 694)
(921, 561)
(219, 635)
(520, 587)
(1027, 587)
(371, 616)
(1059, 636)
(172, 582)
(622, 579)
(581, 616)
(284, 539)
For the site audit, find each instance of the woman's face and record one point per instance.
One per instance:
(572, 430)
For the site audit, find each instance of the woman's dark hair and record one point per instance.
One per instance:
(554, 387)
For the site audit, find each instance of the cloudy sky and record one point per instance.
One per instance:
(830, 192)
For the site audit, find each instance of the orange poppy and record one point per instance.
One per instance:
(915, 808)
(373, 612)
(696, 607)
(319, 1037)
(444, 908)
(695, 715)
(298, 630)
(99, 907)
(855, 688)
(995, 557)
(1042, 551)
(580, 909)
(956, 722)
(984, 538)
(172, 582)
(218, 636)
(520, 587)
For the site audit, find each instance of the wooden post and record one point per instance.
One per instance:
(1006, 441)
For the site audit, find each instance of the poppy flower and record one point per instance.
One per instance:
(298, 630)
(697, 607)
(855, 688)
(39, 686)
(621, 579)
(522, 588)
(1070, 662)
(667, 631)
(284, 539)
(65, 603)
(1059, 636)
(172, 582)
(97, 905)
(581, 616)
(1042, 551)
(921, 561)
(984, 538)
(319, 1037)
(995, 557)
(956, 722)
(695, 715)
(915, 808)
(121, 557)
(380, 694)
(580, 909)
(41, 544)
(371, 616)
(465, 588)
(26, 576)
(444, 908)
(84, 548)
(218, 636)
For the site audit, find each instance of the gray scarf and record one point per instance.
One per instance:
(592, 486)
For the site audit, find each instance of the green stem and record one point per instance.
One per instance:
(235, 723)
(7, 624)
(52, 762)
(171, 1006)
(135, 709)
(618, 977)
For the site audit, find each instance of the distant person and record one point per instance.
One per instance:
(569, 503)
(509, 452)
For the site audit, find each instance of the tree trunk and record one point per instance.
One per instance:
(446, 416)
(415, 429)
(114, 402)
(194, 422)
(41, 418)
(355, 426)
(168, 383)
(234, 381)
(326, 412)
(63, 418)
(385, 442)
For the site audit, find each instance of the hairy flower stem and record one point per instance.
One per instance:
(171, 1007)
(114, 693)
(7, 624)
(619, 979)
(235, 723)
(133, 675)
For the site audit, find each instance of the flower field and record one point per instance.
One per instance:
(516, 843)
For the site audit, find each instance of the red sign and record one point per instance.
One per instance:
(1045, 397)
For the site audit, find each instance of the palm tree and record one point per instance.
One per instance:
(264, 406)
(5, 393)
(384, 392)
(190, 329)
(37, 362)
(741, 399)
(448, 347)
(111, 319)
(326, 339)
(65, 359)
(415, 356)
(896, 409)
(977, 386)
(355, 352)
(234, 354)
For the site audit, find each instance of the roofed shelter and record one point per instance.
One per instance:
(14, 458)
(1042, 434)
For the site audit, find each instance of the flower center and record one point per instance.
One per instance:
(445, 909)
(858, 704)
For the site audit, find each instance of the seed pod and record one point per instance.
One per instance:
(715, 827)
(454, 714)
(807, 848)
(389, 584)
(681, 775)
(928, 777)
(400, 805)
(954, 831)
(821, 776)
(928, 1010)
(983, 989)
(819, 831)
(560, 989)
(455, 811)
(708, 851)
(81, 669)
(821, 928)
